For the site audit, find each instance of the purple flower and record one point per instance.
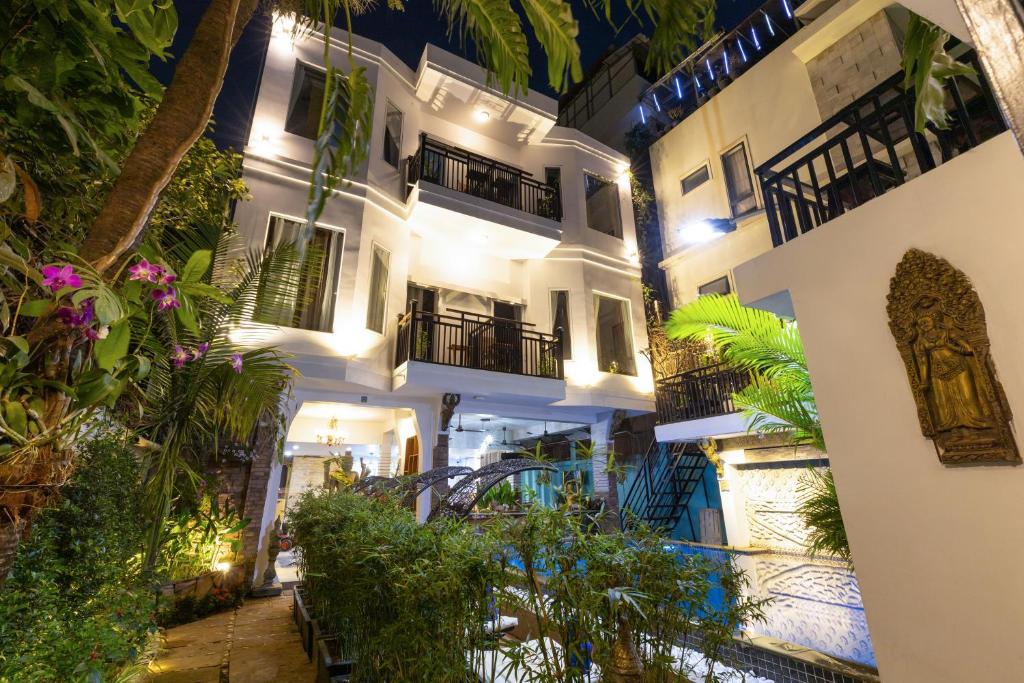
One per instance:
(144, 270)
(166, 299)
(58, 277)
(236, 363)
(180, 356)
(198, 352)
(166, 278)
(76, 317)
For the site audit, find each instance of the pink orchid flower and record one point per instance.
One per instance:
(58, 277)
(236, 363)
(166, 299)
(180, 356)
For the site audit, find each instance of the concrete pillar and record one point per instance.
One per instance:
(427, 422)
(605, 483)
(261, 492)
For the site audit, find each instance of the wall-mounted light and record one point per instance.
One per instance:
(705, 230)
(482, 115)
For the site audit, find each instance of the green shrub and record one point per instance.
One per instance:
(76, 606)
(409, 602)
(406, 600)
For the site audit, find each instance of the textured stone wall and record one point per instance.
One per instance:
(854, 64)
(307, 472)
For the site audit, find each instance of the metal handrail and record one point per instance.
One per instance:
(467, 172)
(855, 156)
(704, 392)
(477, 341)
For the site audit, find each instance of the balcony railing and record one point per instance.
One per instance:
(869, 148)
(472, 174)
(469, 340)
(700, 393)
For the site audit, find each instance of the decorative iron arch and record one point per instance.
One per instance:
(367, 483)
(465, 494)
(421, 482)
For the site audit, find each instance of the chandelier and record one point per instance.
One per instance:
(332, 437)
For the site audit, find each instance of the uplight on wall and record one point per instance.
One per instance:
(482, 115)
(263, 140)
(705, 230)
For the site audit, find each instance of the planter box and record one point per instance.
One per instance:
(304, 622)
(330, 668)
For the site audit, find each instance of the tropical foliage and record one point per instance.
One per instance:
(926, 68)
(779, 398)
(411, 602)
(77, 605)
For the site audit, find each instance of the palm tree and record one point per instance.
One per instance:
(213, 391)
(779, 398)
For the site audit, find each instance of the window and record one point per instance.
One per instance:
(306, 101)
(553, 178)
(603, 212)
(719, 286)
(305, 301)
(393, 135)
(738, 181)
(560, 319)
(696, 179)
(614, 336)
(380, 268)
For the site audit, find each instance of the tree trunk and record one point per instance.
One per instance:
(180, 119)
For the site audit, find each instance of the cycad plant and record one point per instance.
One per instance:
(779, 398)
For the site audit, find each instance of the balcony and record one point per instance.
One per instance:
(703, 399)
(868, 149)
(454, 193)
(462, 339)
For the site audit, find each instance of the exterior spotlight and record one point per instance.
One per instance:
(705, 230)
(482, 116)
(222, 566)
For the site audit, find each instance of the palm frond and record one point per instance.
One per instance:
(346, 121)
(494, 29)
(774, 406)
(820, 513)
(556, 31)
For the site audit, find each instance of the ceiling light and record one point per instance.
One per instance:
(482, 116)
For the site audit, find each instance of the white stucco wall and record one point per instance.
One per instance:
(936, 548)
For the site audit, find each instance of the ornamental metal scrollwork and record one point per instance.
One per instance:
(939, 325)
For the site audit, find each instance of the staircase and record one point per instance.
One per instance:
(665, 481)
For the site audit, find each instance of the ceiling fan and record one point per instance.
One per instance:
(459, 428)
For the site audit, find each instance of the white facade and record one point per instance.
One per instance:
(473, 253)
(934, 547)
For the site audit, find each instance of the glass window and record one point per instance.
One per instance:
(614, 336)
(696, 179)
(719, 286)
(306, 101)
(393, 135)
(603, 212)
(738, 181)
(380, 268)
(308, 301)
(553, 178)
(560, 319)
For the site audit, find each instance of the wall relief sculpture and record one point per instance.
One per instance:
(939, 325)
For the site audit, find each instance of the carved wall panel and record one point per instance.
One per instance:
(939, 325)
(771, 499)
(815, 603)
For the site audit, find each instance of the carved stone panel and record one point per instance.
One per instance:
(939, 325)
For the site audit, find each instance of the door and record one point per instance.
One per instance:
(422, 345)
(507, 352)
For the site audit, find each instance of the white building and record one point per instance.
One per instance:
(795, 180)
(480, 250)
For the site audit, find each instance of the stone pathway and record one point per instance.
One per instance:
(257, 643)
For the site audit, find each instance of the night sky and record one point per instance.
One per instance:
(405, 34)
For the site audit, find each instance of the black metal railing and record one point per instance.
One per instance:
(472, 174)
(867, 149)
(469, 340)
(704, 392)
